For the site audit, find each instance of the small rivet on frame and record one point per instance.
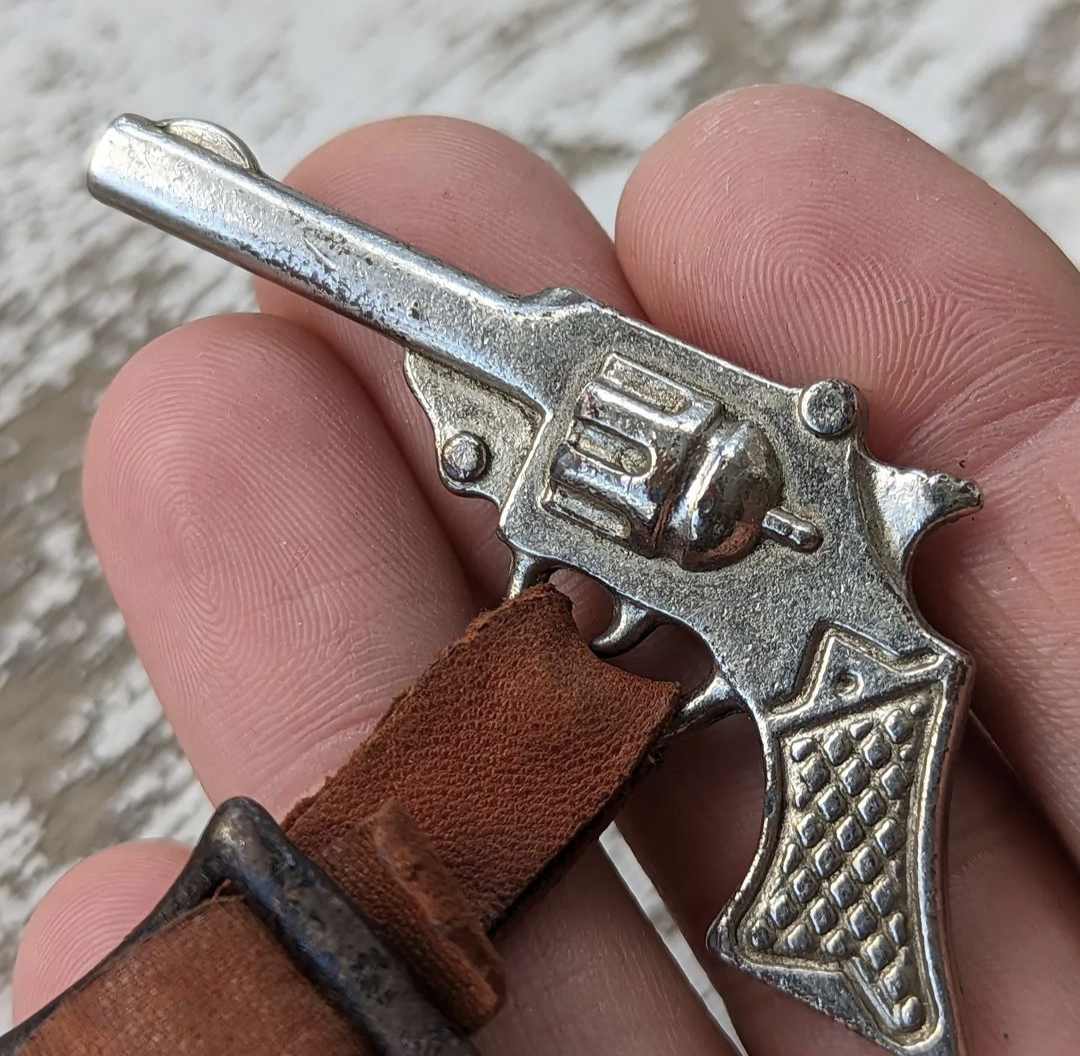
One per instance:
(464, 457)
(830, 407)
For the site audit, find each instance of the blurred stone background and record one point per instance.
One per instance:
(85, 759)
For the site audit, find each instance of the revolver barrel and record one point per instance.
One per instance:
(199, 182)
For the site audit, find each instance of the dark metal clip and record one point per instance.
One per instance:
(317, 924)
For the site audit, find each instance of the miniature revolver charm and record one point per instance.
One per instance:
(696, 493)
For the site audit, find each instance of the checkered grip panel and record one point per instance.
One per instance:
(837, 894)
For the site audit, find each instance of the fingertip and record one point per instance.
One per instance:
(802, 234)
(275, 564)
(394, 140)
(86, 914)
(154, 465)
(170, 368)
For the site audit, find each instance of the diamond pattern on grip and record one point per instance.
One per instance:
(837, 893)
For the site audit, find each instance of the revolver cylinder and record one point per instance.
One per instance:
(655, 464)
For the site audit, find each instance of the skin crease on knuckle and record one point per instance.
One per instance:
(860, 288)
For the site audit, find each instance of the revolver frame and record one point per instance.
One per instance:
(696, 493)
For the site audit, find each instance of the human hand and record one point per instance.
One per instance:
(263, 496)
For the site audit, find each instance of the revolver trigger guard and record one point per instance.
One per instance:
(630, 625)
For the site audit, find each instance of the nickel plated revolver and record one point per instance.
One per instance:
(696, 493)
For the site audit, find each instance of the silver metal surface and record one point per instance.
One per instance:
(696, 493)
(830, 407)
(464, 458)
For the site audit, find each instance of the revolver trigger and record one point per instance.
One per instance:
(630, 623)
(713, 700)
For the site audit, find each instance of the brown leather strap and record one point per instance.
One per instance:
(474, 790)
(393, 873)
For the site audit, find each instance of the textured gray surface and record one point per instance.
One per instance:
(84, 757)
